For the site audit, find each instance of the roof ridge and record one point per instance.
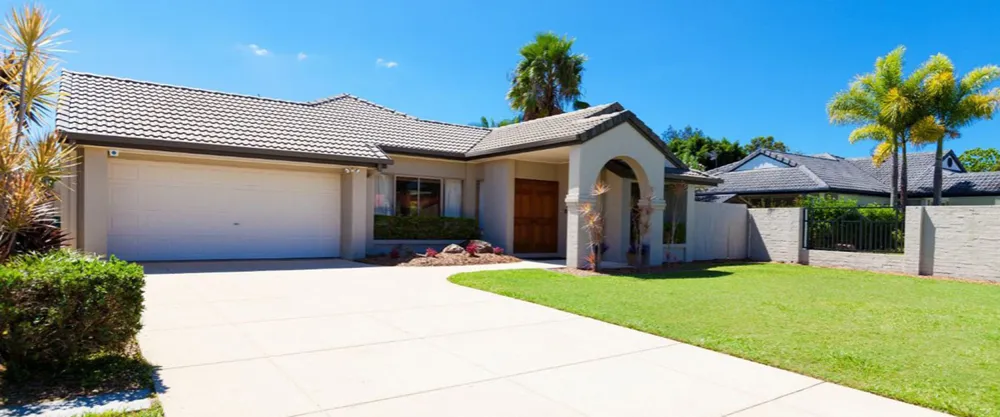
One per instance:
(394, 111)
(181, 87)
(813, 176)
(602, 107)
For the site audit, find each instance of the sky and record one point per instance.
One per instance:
(734, 69)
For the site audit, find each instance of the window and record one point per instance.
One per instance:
(411, 196)
(383, 194)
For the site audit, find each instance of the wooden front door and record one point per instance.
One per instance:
(536, 216)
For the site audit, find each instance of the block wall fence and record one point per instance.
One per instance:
(949, 241)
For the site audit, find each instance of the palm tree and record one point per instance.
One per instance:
(890, 109)
(32, 38)
(548, 77)
(489, 122)
(958, 103)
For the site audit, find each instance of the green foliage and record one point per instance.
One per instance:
(417, 227)
(765, 142)
(981, 160)
(64, 306)
(679, 236)
(547, 80)
(841, 224)
(490, 122)
(697, 149)
(956, 103)
(924, 341)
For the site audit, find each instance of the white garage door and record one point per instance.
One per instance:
(173, 211)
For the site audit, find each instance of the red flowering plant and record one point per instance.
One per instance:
(471, 249)
(498, 250)
(431, 253)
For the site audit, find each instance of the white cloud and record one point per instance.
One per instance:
(301, 56)
(257, 50)
(385, 63)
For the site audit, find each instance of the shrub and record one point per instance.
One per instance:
(394, 253)
(431, 253)
(41, 236)
(64, 306)
(416, 227)
(497, 250)
(471, 249)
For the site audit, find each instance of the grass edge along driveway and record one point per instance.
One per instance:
(933, 343)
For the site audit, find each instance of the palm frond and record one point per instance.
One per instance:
(873, 131)
(926, 131)
(978, 79)
(883, 152)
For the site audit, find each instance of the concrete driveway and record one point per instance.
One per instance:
(335, 338)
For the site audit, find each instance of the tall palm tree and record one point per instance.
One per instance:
(548, 77)
(957, 103)
(891, 109)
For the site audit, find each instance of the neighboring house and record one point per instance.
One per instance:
(769, 179)
(176, 173)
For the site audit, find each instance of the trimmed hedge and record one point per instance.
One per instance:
(416, 227)
(64, 306)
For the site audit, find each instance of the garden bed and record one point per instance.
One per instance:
(442, 259)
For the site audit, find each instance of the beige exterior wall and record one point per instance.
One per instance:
(876, 262)
(86, 204)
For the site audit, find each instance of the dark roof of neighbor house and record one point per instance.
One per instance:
(826, 172)
(103, 110)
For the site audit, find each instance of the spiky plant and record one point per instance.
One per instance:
(548, 78)
(593, 222)
(30, 168)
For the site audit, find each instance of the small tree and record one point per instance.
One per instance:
(593, 217)
(641, 224)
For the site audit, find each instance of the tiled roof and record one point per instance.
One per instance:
(859, 175)
(566, 125)
(343, 125)
(768, 181)
(103, 109)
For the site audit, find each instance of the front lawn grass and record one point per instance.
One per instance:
(929, 342)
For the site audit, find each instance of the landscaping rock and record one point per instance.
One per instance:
(453, 249)
(482, 246)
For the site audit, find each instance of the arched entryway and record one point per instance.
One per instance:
(625, 178)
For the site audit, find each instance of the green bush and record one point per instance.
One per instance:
(64, 306)
(415, 227)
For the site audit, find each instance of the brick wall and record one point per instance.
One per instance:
(877, 262)
(960, 241)
(775, 234)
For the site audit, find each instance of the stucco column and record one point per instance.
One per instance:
(353, 214)
(577, 239)
(93, 227)
(498, 204)
(689, 213)
(655, 237)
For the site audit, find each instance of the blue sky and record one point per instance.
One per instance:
(734, 69)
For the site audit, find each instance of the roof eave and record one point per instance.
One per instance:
(218, 150)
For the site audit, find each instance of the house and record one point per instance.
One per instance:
(769, 178)
(177, 173)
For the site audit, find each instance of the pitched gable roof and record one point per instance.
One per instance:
(852, 175)
(105, 110)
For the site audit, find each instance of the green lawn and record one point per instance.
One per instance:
(929, 342)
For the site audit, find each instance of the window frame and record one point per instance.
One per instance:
(441, 180)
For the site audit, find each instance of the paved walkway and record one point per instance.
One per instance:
(334, 338)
